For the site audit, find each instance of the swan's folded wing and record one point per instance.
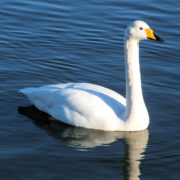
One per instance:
(78, 105)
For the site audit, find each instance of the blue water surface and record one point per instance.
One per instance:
(46, 42)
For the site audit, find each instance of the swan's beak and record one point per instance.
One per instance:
(150, 35)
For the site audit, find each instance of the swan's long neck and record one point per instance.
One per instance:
(135, 106)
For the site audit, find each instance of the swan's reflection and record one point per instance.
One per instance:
(82, 138)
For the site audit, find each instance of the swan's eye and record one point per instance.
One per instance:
(141, 28)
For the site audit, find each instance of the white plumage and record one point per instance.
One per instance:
(79, 104)
(96, 107)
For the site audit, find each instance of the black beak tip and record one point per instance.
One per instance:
(159, 39)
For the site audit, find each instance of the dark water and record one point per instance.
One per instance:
(63, 41)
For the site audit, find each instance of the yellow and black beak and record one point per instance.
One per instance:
(150, 35)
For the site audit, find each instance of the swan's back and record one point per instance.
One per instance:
(80, 104)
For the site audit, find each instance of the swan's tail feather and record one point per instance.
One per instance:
(27, 90)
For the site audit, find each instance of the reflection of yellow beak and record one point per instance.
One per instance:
(150, 34)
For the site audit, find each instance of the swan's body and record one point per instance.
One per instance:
(92, 106)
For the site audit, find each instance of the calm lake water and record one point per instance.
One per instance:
(82, 41)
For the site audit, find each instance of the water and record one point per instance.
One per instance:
(63, 41)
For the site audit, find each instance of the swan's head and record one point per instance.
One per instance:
(139, 30)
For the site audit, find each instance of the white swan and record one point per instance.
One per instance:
(96, 107)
